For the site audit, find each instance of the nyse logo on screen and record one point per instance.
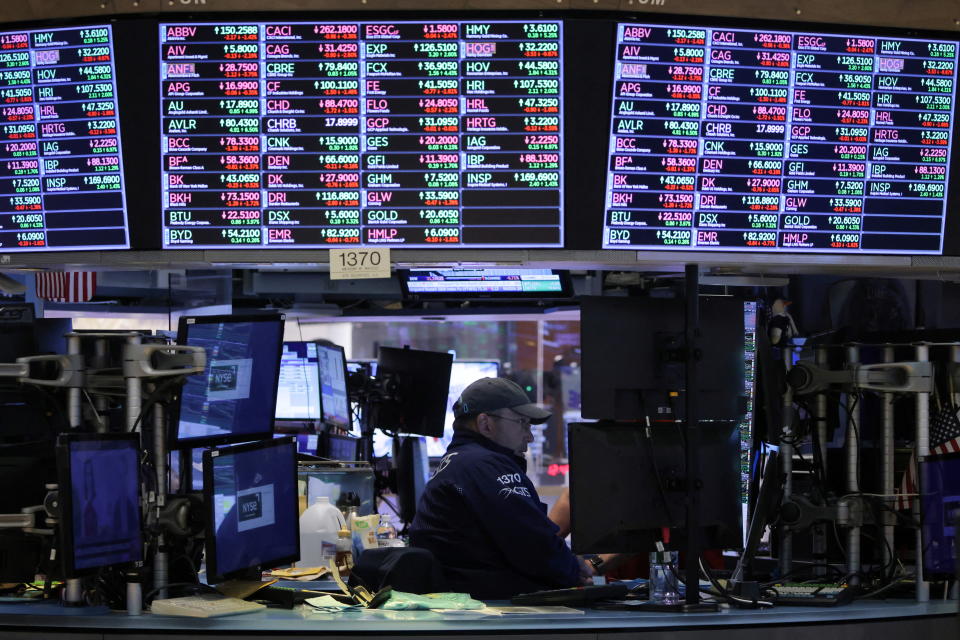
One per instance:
(223, 377)
(250, 507)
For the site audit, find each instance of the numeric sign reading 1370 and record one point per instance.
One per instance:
(426, 134)
(734, 140)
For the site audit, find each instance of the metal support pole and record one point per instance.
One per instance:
(786, 462)
(922, 449)
(886, 465)
(133, 406)
(73, 393)
(134, 393)
(160, 461)
(99, 400)
(853, 468)
(692, 331)
(819, 530)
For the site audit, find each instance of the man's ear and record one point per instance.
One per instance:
(485, 425)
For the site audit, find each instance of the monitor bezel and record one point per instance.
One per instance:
(566, 287)
(214, 575)
(174, 441)
(950, 234)
(384, 368)
(302, 420)
(933, 458)
(660, 444)
(321, 344)
(65, 497)
(328, 438)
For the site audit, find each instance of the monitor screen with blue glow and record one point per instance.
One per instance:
(233, 400)
(766, 140)
(298, 388)
(432, 134)
(940, 510)
(61, 167)
(335, 397)
(250, 492)
(100, 499)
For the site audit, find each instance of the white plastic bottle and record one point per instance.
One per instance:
(319, 526)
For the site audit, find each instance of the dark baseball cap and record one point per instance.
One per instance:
(487, 395)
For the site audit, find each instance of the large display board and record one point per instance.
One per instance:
(426, 134)
(745, 140)
(61, 173)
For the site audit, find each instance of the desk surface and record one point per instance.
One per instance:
(40, 616)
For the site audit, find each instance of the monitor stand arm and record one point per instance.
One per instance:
(28, 520)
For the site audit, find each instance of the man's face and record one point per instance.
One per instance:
(509, 429)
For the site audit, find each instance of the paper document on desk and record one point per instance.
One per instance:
(545, 610)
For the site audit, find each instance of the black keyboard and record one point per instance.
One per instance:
(574, 595)
(285, 597)
(805, 594)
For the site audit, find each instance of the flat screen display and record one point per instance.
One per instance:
(61, 171)
(462, 373)
(234, 399)
(419, 381)
(250, 491)
(777, 141)
(334, 395)
(298, 389)
(940, 508)
(316, 134)
(100, 496)
(492, 282)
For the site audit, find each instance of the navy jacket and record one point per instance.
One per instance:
(483, 520)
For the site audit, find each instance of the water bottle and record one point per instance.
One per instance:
(387, 533)
(344, 559)
(319, 528)
(663, 577)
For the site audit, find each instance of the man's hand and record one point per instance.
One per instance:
(587, 572)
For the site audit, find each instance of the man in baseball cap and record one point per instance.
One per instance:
(491, 405)
(480, 514)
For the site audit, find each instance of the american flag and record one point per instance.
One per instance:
(66, 286)
(944, 438)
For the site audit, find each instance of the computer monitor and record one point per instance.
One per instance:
(334, 395)
(504, 283)
(462, 373)
(307, 443)
(940, 509)
(234, 399)
(634, 360)
(99, 478)
(747, 441)
(418, 382)
(413, 473)
(625, 487)
(250, 493)
(298, 389)
(185, 468)
(765, 508)
(337, 447)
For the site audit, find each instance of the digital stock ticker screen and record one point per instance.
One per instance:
(419, 134)
(61, 174)
(746, 140)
